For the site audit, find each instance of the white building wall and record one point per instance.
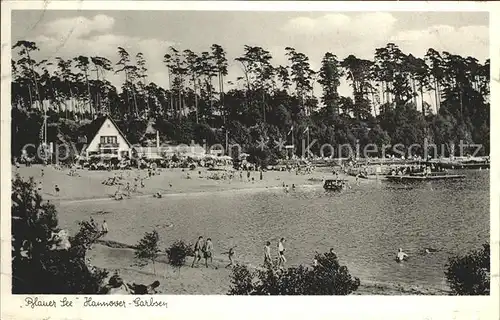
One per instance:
(108, 129)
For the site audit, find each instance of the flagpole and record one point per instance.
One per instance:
(45, 125)
(308, 140)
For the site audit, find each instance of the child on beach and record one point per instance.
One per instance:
(230, 255)
(267, 255)
(281, 253)
(93, 224)
(127, 188)
(104, 227)
(207, 252)
(197, 250)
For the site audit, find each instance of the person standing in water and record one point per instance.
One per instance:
(208, 251)
(267, 255)
(401, 256)
(230, 255)
(93, 224)
(104, 227)
(197, 250)
(281, 253)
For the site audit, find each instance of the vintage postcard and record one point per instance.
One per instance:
(158, 156)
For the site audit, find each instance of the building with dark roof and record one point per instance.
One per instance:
(104, 137)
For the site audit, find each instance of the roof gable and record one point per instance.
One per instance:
(95, 126)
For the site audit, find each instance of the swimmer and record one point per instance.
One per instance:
(430, 250)
(401, 256)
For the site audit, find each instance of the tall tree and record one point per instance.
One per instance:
(101, 66)
(435, 64)
(128, 69)
(329, 78)
(358, 73)
(301, 74)
(221, 63)
(27, 63)
(83, 63)
(142, 76)
(194, 67)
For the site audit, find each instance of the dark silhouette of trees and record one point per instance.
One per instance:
(389, 99)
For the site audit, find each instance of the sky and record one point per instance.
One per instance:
(82, 32)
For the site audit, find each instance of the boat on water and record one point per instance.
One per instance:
(424, 177)
(361, 175)
(335, 184)
(463, 163)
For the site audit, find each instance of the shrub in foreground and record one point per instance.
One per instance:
(44, 259)
(147, 249)
(327, 278)
(178, 252)
(470, 274)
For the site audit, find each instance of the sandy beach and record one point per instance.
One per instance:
(212, 280)
(89, 189)
(88, 185)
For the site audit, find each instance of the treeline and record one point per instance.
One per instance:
(387, 106)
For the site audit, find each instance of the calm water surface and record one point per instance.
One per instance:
(365, 225)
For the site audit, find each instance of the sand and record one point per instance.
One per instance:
(170, 181)
(212, 280)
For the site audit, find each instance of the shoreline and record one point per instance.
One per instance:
(112, 255)
(89, 186)
(195, 193)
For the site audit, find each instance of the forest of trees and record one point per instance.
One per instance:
(387, 106)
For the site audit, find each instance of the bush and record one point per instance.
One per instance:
(178, 252)
(147, 249)
(241, 281)
(86, 236)
(44, 260)
(328, 278)
(470, 274)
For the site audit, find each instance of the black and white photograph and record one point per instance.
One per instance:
(249, 152)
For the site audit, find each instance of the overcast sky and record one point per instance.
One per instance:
(71, 33)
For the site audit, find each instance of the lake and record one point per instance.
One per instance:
(364, 225)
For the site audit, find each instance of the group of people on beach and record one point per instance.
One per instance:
(102, 229)
(268, 262)
(203, 249)
(127, 187)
